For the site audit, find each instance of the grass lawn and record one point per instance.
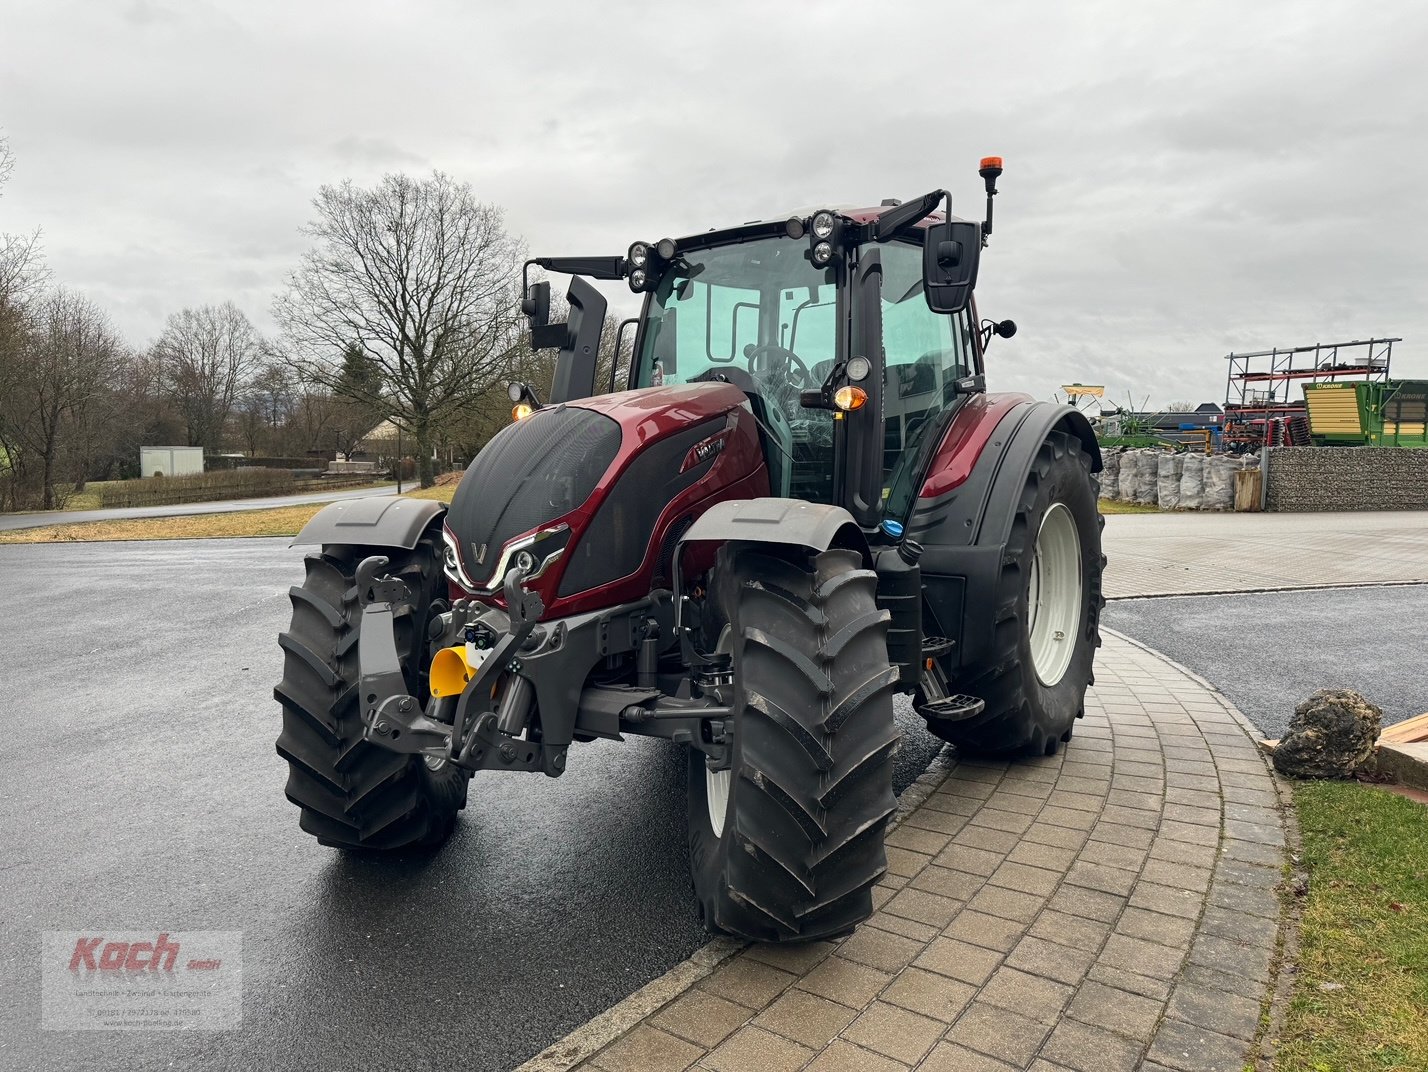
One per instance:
(277, 521)
(1364, 934)
(1114, 506)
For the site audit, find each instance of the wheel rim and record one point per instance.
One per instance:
(716, 793)
(1054, 595)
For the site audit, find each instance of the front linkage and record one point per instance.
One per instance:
(508, 665)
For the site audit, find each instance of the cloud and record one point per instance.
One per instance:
(1182, 180)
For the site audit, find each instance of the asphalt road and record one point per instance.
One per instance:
(226, 506)
(139, 790)
(1268, 651)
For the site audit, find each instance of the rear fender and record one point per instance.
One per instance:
(965, 528)
(388, 521)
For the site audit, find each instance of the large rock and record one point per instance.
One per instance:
(1331, 735)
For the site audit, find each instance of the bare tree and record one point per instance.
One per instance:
(69, 360)
(424, 278)
(1180, 407)
(208, 355)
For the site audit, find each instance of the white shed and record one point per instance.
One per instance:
(170, 461)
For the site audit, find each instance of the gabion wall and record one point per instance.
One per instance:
(1348, 478)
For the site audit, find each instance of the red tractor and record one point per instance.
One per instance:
(803, 502)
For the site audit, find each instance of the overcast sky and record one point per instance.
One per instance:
(1183, 179)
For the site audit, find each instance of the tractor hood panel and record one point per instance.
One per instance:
(592, 493)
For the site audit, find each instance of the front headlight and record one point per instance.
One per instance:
(822, 224)
(639, 255)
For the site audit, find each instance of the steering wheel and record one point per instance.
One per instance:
(764, 361)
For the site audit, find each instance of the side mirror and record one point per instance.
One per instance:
(950, 254)
(536, 304)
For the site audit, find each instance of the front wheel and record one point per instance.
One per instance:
(786, 843)
(355, 794)
(1045, 621)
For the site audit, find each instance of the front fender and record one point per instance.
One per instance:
(792, 522)
(384, 521)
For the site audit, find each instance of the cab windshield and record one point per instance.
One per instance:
(759, 315)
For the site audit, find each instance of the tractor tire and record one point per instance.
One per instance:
(787, 844)
(354, 794)
(1033, 685)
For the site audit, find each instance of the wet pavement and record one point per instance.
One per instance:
(139, 790)
(1268, 651)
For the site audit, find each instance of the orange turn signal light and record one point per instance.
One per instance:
(849, 398)
(991, 161)
(521, 411)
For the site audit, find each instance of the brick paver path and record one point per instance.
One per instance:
(1109, 909)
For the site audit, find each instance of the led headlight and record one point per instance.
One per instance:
(516, 390)
(637, 279)
(822, 224)
(822, 254)
(665, 248)
(639, 255)
(858, 368)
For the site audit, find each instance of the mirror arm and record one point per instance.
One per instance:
(822, 397)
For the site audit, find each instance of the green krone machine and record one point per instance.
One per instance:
(1393, 413)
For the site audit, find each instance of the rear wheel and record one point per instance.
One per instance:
(786, 844)
(1046, 625)
(354, 794)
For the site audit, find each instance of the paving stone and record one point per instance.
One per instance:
(1183, 852)
(1123, 856)
(1135, 798)
(845, 981)
(882, 894)
(996, 819)
(748, 982)
(924, 841)
(905, 863)
(1009, 904)
(1142, 957)
(1254, 853)
(1073, 931)
(1231, 957)
(998, 1032)
(1000, 842)
(1253, 793)
(1199, 798)
(648, 1049)
(1137, 817)
(1187, 1048)
(807, 1018)
(1177, 876)
(1025, 878)
(797, 958)
(908, 928)
(950, 1057)
(1239, 925)
(1101, 877)
(894, 1032)
(949, 882)
(1050, 857)
(1256, 901)
(951, 804)
(966, 858)
(1120, 834)
(924, 907)
(1068, 817)
(1243, 873)
(1015, 802)
(753, 1047)
(1087, 903)
(993, 932)
(845, 1057)
(1131, 982)
(1217, 1010)
(929, 993)
(1030, 995)
(1061, 837)
(1167, 899)
(1244, 985)
(1091, 1049)
(1116, 1010)
(1058, 962)
(1066, 798)
(880, 949)
(701, 1017)
(1174, 931)
(959, 960)
(926, 818)
(1197, 816)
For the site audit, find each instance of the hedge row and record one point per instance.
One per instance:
(196, 487)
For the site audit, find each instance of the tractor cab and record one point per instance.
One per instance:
(851, 333)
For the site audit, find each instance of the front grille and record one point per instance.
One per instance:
(530, 473)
